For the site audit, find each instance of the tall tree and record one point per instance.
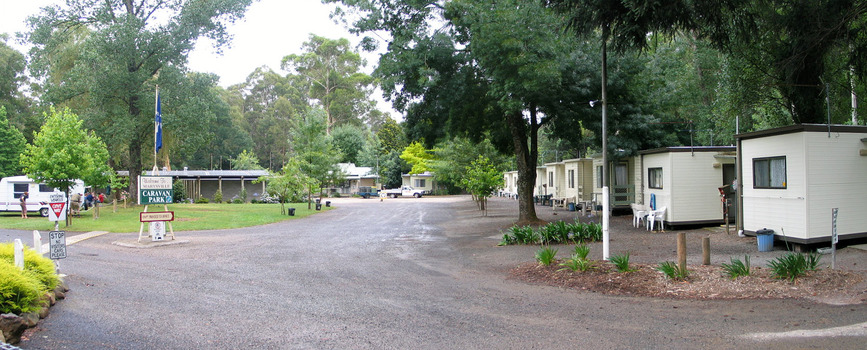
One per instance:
(132, 47)
(498, 69)
(271, 105)
(12, 83)
(315, 149)
(350, 140)
(332, 70)
(12, 143)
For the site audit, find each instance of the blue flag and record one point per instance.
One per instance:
(158, 127)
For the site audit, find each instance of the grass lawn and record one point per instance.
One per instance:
(188, 217)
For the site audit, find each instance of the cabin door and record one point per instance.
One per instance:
(728, 176)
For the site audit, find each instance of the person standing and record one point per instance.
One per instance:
(88, 200)
(23, 200)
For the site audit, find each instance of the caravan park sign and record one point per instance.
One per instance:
(155, 190)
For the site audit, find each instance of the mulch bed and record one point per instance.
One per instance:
(704, 282)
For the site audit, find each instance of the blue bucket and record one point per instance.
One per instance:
(766, 242)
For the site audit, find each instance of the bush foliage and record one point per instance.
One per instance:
(20, 290)
(554, 233)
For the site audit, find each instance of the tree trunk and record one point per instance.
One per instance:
(526, 160)
(134, 170)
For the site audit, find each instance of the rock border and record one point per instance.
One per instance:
(12, 326)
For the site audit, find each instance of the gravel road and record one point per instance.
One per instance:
(404, 273)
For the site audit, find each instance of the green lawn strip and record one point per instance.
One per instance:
(188, 217)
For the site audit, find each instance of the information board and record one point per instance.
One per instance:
(155, 190)
(57, 244)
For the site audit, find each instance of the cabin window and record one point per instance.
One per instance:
(45, 188)
(571, 178)
(419, 183)
(769, 172)
(551, 179)
(654, 178)
(18, 190)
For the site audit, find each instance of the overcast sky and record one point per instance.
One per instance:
(270, 30)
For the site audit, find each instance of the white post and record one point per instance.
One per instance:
(37, 242)
(19, 253)
(605, 214)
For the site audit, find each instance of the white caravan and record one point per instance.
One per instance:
(11, 188)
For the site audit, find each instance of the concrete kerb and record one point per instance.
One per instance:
(75, 239)
(148, 243)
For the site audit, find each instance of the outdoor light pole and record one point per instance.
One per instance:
(605, 198)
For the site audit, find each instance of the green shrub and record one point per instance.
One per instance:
(793, 265)
(218, 196)
(549, 233)
(202, 200)
(242, 196)
(673, 271)
(520, 235)
(41, 267)
(179, 190)
(621, 261)
(592, 232)
(581, 251)
(546, 255)
(20, 290)
(737, 268)
(577, 264)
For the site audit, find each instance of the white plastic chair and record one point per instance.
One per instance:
(654, 216)
(638, 214)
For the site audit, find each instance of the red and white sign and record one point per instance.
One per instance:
(57, 207)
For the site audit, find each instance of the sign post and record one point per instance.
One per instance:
(156, 190)
(57, 244)
(57, 208)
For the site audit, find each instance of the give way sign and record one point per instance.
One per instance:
(56, 206)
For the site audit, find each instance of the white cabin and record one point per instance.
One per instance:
(624, 178)
(794, 176)
(686, 181)
(11, 188)
(510, 184)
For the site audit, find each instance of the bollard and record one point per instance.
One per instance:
(19, 253)
(37, 242)
(681, 250)
(705, 250)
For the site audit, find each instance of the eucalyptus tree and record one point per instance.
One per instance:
(12, 83)
(782, 49)
(469, 68)
(129, 48)
(12, 143)
(270, 105)
(350, 140)
(332, 71)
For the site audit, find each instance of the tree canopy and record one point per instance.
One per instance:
(126, 49)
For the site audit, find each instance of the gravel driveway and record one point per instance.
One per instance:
(404, 273)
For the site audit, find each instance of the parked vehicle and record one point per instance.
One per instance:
(367, 192)
(11, 188)
(405, 191)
